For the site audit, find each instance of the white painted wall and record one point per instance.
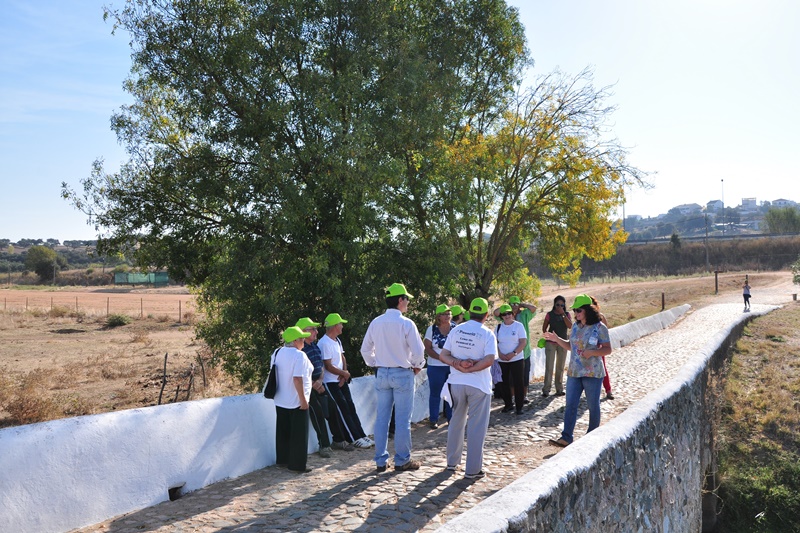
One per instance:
(64, 474)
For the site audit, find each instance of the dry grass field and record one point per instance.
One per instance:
(58, 356)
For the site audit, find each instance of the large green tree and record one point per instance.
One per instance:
(544, 175)
(284, 154)
(44, 261)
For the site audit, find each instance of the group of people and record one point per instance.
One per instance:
(461, 351)
(313, 384)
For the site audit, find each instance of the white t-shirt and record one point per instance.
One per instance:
(471, 340)
(435, 346)
(508, 339)
(292, 363)
(332, 351)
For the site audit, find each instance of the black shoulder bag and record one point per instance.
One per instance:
(271, 387)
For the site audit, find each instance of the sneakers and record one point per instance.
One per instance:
(479, 475)
(364, 442)
(561, 393)
(561, 443)
(545, 394)
(609, 396)
(411, 465)
(325, 452)
(507, 409)
(343, 445)
(450, 468)
(433, 424)
(380, 468)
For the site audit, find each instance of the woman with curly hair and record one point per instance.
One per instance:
(589, 342)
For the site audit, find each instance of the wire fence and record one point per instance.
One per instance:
(181, 308)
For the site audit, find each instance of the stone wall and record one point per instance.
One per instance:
(646, 470)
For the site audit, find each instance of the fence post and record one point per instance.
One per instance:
(108, 304)
(141, 308)
(663, 302)
(76, 304)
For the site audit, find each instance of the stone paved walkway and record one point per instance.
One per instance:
(345, 493)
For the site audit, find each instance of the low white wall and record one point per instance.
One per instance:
(74, 472)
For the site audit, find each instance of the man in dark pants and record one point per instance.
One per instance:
(318, 404)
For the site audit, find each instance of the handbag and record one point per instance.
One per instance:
(271, 387)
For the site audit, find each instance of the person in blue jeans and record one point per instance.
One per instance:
(435, 336)
(393, 347)
(589, 342)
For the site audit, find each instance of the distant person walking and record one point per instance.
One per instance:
(589, 342)
(746, 294)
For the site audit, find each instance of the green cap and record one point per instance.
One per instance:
(293, 333)
(441, 309)
(457, 310)
(306, 322)
(333, 319)
(580, 301)
(505, 308)
(514, 300)
(397, 289)
(541, 343)
(466, 315)
(479, 306)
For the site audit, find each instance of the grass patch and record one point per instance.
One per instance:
(759, 450)
(116, 320)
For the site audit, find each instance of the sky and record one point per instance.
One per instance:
(705, 94)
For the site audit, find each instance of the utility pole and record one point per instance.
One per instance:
(722, 181)
(708, 265)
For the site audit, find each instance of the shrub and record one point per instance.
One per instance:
(59, 311)
(116, 320)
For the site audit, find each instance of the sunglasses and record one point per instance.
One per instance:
(579, 310)
(561, 305)
(506, 314)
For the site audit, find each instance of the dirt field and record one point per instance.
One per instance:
(57, 361)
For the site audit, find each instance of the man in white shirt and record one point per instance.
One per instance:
(470, 349)
(393, 347)
(336, 377)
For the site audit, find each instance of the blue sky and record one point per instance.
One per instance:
(706, 90)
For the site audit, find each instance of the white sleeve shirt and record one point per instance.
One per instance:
(392, 340)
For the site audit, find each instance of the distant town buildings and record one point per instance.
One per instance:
(694, 220)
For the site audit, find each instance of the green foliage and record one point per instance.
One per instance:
(541, 175)
(796, 271)
(271, 146)
(782, 220)
(44, 261)
(117, 320)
